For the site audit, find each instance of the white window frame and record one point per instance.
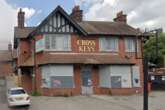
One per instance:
(59, 49)
(108, 50)
(134, 44)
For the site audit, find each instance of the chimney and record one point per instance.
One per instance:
(77, 14)
(9, 47)
(21, 18)
(120, 17)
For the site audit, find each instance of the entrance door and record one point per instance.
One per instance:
(86, 77)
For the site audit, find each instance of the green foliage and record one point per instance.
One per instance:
(150, 49)
(35, 93)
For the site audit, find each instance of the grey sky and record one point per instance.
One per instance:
(141, 14)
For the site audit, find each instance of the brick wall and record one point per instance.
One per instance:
(6, 69)
(24, 51)
(25, 45)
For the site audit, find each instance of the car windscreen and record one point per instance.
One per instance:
(17, 92)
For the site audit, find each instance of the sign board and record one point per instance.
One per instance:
(39, 45)
(86, 45)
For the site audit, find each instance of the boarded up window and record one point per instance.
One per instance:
(57, 76)
(136, 76)
(124, 72)
(62, 82)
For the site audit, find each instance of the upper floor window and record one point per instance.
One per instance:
(109, 44)
(58, 42)
(130, 44)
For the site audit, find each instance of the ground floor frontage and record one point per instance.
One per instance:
(92, 102)
(75, 79)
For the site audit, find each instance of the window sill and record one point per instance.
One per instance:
(109, 51)
(57, 88)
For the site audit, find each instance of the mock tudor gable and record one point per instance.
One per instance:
(59, 22)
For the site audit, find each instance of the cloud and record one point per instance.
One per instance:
(8, 20)
(29, 12)
(7, 23)
(141, 13)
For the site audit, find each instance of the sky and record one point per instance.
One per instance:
(140, 13)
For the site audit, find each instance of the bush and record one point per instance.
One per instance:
(35, 93)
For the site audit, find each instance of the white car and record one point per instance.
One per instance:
(17, 97)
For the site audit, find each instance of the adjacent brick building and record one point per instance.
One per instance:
(6, 62)
(66, 55)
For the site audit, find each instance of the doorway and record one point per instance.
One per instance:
(86, 78)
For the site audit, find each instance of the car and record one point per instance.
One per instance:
(18, 97)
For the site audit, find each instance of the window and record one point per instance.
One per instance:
(121, 76)
(116, 82)
(109, 44)
(58, 42)
(130, 44)
(57, 76)
(17, 92)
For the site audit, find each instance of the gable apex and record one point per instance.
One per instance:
(58, 21)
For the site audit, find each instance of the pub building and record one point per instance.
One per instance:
(66, 55)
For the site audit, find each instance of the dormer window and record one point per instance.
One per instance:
(58, 42)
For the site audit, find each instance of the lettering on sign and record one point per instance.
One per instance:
(86, 45)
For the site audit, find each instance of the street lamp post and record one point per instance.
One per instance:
(145, 87)
(145, 69)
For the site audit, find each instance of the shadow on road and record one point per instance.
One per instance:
(19, 108)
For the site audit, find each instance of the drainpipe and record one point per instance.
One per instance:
(34, 67)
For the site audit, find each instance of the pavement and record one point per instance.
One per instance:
(93, 102)
(3, 105)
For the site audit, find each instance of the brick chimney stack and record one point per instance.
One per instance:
(120, 17)
(77, 14)
(21, 18)
(9, 47)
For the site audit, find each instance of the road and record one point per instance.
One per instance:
(93, 102)
(3, 101)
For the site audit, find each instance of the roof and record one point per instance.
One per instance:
(14, 53)
(65, 14)
(86, 27)
(83, 59)
(5, 56)
(22, 32)
(28, 63)
(108, 28)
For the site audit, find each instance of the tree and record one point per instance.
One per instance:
(150, 49)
